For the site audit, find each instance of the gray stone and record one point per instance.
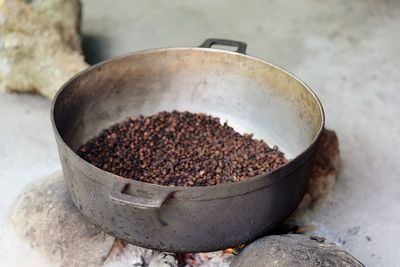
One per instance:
(294, 250)
(45, 217)
(45, 229)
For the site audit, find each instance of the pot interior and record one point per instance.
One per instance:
(253, 96)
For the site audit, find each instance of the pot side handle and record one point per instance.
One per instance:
(125, 193)
(241, 46)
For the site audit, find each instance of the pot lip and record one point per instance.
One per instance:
(272, 177)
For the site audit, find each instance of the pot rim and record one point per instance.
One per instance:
(272, 177)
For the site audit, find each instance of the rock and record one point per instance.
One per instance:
(45, 229)
(294, 250)
(325, 171)
(40, 44)
(45, 218)
(322, 181)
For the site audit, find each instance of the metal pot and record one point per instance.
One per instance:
(253, 95)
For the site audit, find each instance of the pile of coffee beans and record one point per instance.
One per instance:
(180, 149)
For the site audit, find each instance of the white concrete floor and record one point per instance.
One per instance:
(347, 51)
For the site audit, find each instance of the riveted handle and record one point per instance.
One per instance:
(241, 47)
(125, 192)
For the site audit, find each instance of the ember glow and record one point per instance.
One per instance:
(235, 250)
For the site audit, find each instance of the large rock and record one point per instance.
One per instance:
(294, 250)
(45, 218)
(40, 44)
(45, 229)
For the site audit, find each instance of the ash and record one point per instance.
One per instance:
(124, 254)
(211, 259)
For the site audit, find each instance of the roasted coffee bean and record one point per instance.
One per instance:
(180, 149)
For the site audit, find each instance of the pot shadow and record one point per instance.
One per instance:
(94, 48)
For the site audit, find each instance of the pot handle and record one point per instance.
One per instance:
(126, 193)
(212, 41)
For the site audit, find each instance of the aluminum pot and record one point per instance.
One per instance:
(254, 96)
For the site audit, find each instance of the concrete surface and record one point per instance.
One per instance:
(347, 51)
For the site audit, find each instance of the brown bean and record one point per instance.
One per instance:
(180, 149)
